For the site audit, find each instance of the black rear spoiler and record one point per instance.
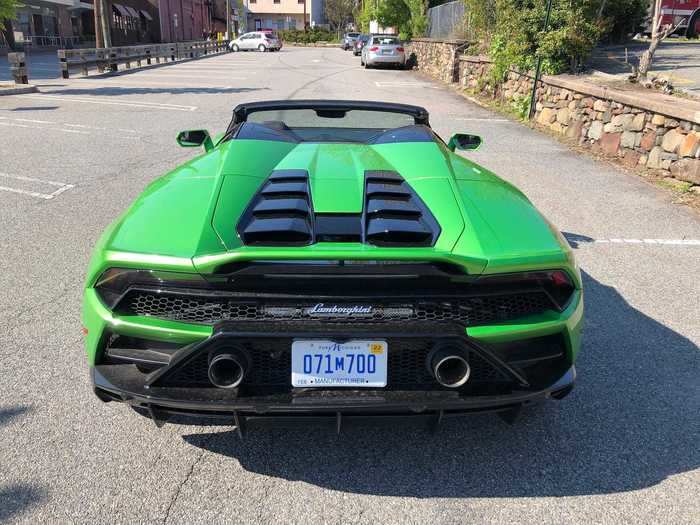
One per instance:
(329, 107)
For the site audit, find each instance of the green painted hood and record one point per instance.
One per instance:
(187, 219)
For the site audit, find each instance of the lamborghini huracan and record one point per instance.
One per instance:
(328, 261)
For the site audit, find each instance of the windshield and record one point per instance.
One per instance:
(310, 125)
(386, 40)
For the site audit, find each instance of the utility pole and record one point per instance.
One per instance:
(533, 98)
(98, 24)
(305, 15)
(103, 38)
(228, 20)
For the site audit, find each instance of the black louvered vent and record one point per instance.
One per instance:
(394, 214)
(281, 212)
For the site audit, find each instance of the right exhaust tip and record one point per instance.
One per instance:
(450, 367)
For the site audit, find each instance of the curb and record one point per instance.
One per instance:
(17, 90)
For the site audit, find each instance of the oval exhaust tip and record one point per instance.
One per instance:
(450, 368)
(226, 370)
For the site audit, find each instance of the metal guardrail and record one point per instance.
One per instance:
(109, 59)
(18, 67)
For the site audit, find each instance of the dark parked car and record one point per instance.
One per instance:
(359, 44)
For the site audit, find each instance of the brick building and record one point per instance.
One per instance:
(183, 20)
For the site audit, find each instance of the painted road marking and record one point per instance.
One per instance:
(149, 105)
(672, 242)
(577, 240)
(481, 119)
(57, 127)
(63, 130)
(168, 76)
(61, 186)
(401, 84)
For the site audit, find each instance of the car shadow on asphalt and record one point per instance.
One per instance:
(630, 423)
(17, 498)
(9, 413)
(120, 90)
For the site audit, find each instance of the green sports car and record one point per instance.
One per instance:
(327, 261)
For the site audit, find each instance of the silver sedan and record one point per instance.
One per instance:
(383, 49)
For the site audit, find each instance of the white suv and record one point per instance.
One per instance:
(260, 40)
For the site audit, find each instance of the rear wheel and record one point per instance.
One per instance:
(693, 26)
(262, 48)
(235, 48)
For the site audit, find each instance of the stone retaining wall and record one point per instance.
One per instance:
(649, 130)
(437, 58)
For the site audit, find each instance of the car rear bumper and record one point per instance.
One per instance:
(373, 59)
(208, 408)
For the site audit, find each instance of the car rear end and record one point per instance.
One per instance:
(360, 44)
(385, 50)
(271, 41)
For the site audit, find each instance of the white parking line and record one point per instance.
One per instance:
(56, 127)
(470, 119)
(46, 196)
(388, 84)
(671, 242)
(63, 130)
(149, 105)
(170, 76)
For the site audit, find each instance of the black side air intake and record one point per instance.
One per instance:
(394, 214)
(281, 212)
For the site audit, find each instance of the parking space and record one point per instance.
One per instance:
(622, 447)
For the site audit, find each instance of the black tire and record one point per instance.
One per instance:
(262, 48)
(692, 32)
(235, 48)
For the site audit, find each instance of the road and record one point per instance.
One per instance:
(623, 447)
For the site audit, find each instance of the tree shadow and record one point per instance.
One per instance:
(17, 498)
(33, 108)
(121, 90)
(10, 413)
(630, 423)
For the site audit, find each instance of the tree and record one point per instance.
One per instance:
(8, 11)
(339, 12)
(408, 16)
(658, 34)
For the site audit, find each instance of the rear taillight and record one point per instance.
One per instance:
(555, 283)
(399, 49)
(115, 282)
(374, 49)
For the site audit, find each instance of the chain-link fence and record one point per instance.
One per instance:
(448, 21)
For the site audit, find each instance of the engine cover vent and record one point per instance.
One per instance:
(280, 213)
(394, 214)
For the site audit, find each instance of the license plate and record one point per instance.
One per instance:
(357, 364)
(387, 51)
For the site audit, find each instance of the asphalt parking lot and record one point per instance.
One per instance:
(623, 447)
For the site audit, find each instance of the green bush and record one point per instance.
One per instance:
(518, 40)
(308, 37)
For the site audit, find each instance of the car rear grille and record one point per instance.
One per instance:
(271, 366)
(467, 311)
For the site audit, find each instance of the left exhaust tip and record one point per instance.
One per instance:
(227, 368)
